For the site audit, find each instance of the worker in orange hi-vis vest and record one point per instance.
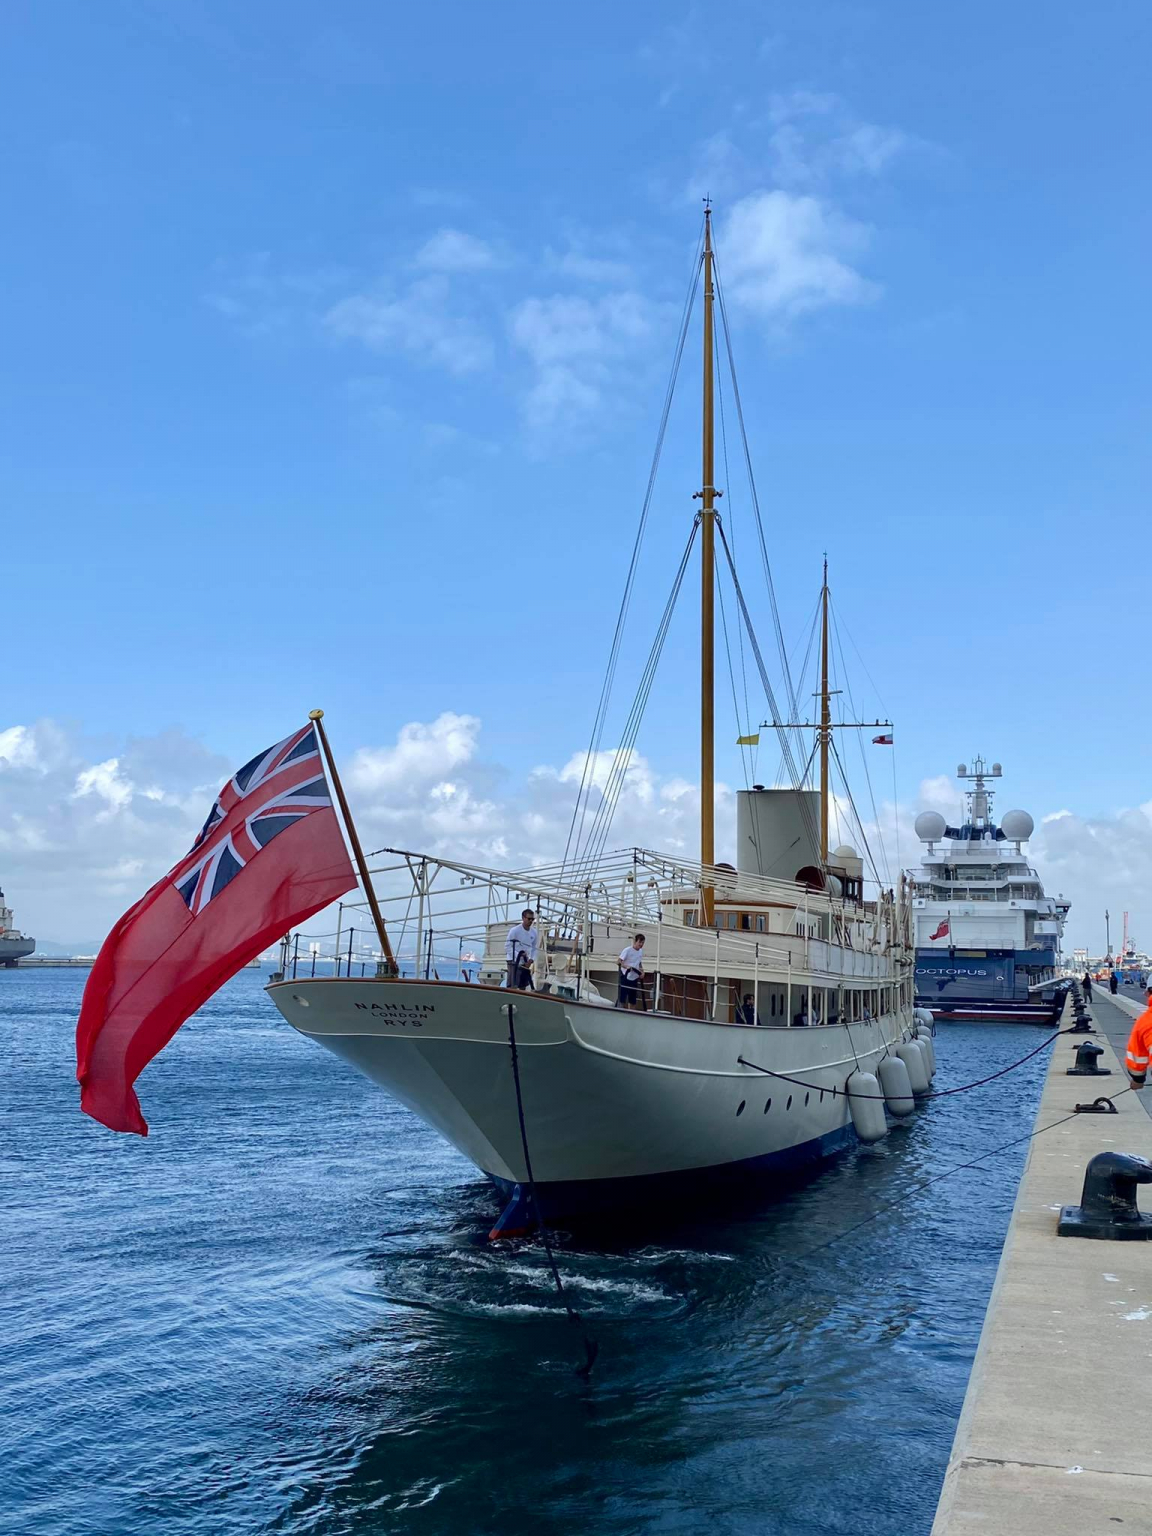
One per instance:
(1140, 1047)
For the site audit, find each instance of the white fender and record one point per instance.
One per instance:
(914, 1059)
(866, 1101)
(897, 1086)
(928, 1046)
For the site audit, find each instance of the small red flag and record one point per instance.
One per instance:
(270, 855)
(881, 741)
(941, 931)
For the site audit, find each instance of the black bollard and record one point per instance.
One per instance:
(1086, 1055)
(1107, 1206)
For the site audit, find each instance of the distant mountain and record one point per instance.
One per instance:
(55, 951)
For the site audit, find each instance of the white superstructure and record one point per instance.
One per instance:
(987, 936)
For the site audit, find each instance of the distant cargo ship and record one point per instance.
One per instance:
(987, 937)
(13, 944)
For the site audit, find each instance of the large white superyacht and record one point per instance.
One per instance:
(987, 937)
(776, 1013)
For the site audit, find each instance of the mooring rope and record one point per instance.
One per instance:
(947, 1172)
(935, 1093)
(591, 1347)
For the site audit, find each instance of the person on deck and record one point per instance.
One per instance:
(520, 951)
(632, 975)
(746, 1013)
(1087, 985)
(1113, 983)
(1140, 1047)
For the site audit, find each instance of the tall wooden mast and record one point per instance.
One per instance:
(825, 717)
(707, 589)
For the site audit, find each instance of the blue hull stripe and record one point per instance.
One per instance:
(589, 1197)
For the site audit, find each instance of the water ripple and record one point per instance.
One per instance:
(279, 1314)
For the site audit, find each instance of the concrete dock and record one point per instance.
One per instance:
(1055, 1436)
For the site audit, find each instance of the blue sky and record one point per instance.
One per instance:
(335, 340)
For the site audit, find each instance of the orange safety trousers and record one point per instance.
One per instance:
(1139, 1048)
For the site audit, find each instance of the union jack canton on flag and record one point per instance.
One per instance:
(272, 793)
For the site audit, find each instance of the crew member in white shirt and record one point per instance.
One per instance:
(632, 974)
(520, 951)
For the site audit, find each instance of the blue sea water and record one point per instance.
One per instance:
(278, 1313)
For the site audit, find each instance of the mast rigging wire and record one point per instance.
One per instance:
(584, 859)
(839, 647)
(806, 813)
(779, 628)
(580, 808)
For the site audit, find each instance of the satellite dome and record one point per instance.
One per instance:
(845, 851)
(1017, 825)
(929, 826)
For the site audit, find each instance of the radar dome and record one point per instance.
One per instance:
(844, 852)
(1017, 825)
(929, 826)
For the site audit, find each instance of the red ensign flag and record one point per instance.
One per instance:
(270, 855)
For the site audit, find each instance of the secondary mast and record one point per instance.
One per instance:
(707, 495)
(826, 725)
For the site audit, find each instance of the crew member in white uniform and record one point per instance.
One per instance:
(520, 951)
(632, 975)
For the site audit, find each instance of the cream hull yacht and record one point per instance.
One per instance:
(594, 1104)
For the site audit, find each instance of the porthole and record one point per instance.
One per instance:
(767, 1106)
(789, 1103)
(740, 1106)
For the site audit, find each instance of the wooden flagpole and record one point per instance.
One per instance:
(392, 969)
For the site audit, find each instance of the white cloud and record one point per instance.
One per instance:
(815, 137)
(18, 748)
(422, 755)
(786, 253)
(453, 250)
(868, 148)
(573, 343)
(419, 319)
(83, 832)
(105, 781)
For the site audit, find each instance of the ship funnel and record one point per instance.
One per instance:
(777, 832)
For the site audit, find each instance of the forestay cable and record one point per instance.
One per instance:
(580, 808)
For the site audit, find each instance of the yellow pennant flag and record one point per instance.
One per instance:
(748, 741)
